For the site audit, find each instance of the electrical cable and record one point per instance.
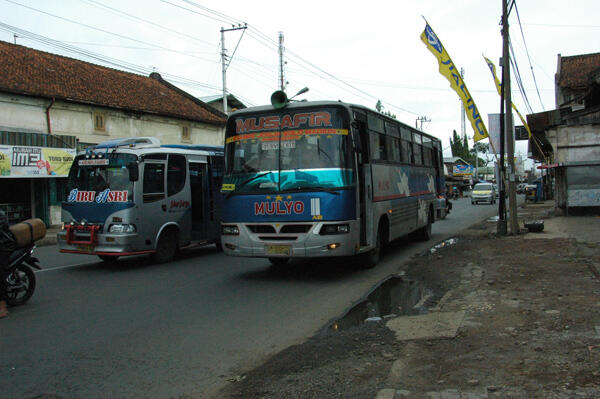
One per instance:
(528, 57)
(107, 32)
(518, 78)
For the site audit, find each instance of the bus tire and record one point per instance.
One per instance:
(166, 247)
(278, 262)
(424, 233)
(371, 258)
(108, 258)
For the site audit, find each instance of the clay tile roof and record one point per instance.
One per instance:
(575, 70)
(36, 73)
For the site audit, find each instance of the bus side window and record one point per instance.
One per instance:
(406, 146)
(154, 182)
(417, 155)
(378, 151)
(175, 174)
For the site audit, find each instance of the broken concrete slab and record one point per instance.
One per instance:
(431, 325)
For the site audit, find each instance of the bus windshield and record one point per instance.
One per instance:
(99, 174)
(310, 153)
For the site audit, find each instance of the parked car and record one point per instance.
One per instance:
(484, 192)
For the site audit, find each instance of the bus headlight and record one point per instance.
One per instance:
(334, 229)
(230, 230)
(122, 228)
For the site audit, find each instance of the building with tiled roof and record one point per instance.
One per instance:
(51, 105)
(116, 103)
(574, 77)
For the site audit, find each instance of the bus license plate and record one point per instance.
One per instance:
(86, 248)
(279, 250)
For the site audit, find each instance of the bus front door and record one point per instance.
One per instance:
(153, 210)
(200, 200)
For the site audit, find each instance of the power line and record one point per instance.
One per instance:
(123, 65)
(273, 45)
(519, 80)
(107, 32)
(528, 57)
(563, 25)
(145, 21)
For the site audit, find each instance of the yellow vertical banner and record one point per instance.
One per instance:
(449, 70)
(492, 67)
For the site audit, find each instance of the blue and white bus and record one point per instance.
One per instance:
(135, 196)
(318, 179)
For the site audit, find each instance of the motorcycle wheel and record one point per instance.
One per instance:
(20, 284)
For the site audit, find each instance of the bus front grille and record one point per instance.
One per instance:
(295, 228)
(261, 228)
(278, 238)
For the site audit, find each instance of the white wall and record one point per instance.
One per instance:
(21, 113)
(569, 143)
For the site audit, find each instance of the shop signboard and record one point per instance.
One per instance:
(25, 161)
(462, 170)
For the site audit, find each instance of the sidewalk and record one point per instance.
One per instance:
(527, 312)
(508, 317)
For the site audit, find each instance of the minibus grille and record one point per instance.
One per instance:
(261, 228)
(278, 238)
(295, 228)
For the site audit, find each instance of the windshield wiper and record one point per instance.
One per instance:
(242, 184)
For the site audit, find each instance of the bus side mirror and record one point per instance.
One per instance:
(134, 172)
(356, 137)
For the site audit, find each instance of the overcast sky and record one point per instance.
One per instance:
(354, 51)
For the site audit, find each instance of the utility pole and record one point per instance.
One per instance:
(421, 119)
(224, 63)
(282, 82)
(508, 125)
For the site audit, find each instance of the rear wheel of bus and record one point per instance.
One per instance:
(424, 233)
(166, 247)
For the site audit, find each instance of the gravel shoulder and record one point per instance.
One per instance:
(531, 329)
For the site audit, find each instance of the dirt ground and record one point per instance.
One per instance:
(531, 329)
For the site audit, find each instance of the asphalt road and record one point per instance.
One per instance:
(139, 330)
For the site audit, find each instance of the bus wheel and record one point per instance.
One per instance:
(108, 258)
(371, 258)
(424, 233)
(166, 247)
(278, 262)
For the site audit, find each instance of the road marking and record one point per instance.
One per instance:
(63, 267)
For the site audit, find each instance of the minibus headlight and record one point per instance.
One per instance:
(230, 230)
(121, 228)
(334, 229)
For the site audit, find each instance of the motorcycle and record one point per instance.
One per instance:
(20, 279)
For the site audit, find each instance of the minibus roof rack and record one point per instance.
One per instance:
(137, 142)
(214, 149)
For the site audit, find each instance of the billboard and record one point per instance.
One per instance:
(462, 170)
(24, 161)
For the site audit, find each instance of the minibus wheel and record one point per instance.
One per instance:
(108, 258)
(166, 247)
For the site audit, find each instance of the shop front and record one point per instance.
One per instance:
(33, 181)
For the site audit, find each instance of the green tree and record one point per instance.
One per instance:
(380, 108)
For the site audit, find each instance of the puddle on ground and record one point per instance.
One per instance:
(449, 241)
(396, 296)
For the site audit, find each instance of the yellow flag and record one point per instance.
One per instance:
(448, 69)
(499, 88)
